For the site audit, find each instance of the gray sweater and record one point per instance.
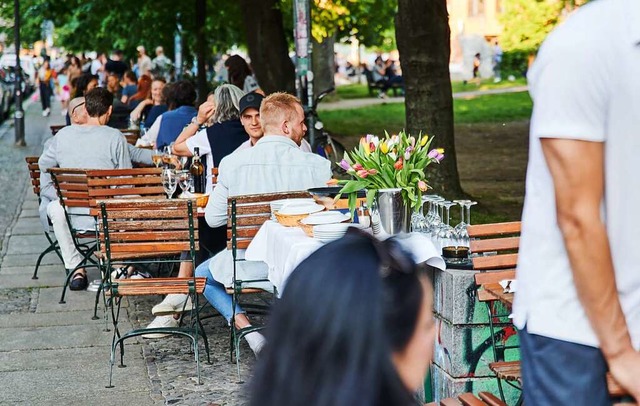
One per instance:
(81, 147)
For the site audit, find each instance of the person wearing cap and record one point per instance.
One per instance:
(221, 137)
(144, 62)
(250, 119)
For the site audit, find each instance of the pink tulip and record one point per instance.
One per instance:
(363, 173)
(358, 167)
(372, 147)
(372, 172)
(422, 185)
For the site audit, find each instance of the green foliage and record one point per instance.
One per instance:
(526, 23)
(96, 25)
(515, 63)
(370, 21)
(498, 108)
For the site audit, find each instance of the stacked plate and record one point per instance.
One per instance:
(326, 217)
(276, 205)
(331, 232)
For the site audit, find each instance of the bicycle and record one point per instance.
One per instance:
(323, 144)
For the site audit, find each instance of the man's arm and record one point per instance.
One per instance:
(216, 211)
(577, 168)
(48, 160)
(140, 156)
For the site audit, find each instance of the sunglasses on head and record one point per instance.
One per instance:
(74, 109)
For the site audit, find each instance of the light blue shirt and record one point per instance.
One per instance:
(274, 164)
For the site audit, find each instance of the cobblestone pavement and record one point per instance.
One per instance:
(52, 353)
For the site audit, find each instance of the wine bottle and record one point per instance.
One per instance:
(197, 172)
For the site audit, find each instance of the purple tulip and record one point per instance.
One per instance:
(433, 153)
(345, 165)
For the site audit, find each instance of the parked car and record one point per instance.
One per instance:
(6, 94)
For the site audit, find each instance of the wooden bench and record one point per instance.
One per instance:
(373, 86)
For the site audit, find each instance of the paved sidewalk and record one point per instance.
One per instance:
(372, 101)
(54, 354)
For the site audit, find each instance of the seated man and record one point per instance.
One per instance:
(250, 119)
(86, 146)
(275, 164)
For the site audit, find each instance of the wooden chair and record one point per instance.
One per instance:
(139, 231)
(246, 215)
(73, 195)
(131, 134)
(468, 399)
(105, 184)
(34, 174)
(56, 128)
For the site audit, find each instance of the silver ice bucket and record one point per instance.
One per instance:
(395, 213)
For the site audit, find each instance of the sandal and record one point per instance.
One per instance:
(79, 281)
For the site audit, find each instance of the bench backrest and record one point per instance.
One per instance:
(104, 184)
(251, 211)
(140, 226)
(34, 173)
(56, 128)
(71, 185)
(501, 238)
(131, 134)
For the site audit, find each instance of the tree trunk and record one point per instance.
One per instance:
(423, 37)
(323, 65)
(268, 46)
(201, 49)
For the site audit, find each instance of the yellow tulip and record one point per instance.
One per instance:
(424, 141)
(440, 150)
(384, 147)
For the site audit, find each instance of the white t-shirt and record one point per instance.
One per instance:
(585, 86)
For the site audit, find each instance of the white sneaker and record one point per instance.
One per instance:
(161, 321)
(45, 112)
(256, 341)
(173, 303)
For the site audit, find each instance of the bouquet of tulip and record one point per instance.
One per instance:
(396, 161)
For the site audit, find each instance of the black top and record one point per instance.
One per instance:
(117, 67)
(153, 113)
(224, 138)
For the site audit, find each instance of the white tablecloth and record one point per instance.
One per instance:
(283, 248)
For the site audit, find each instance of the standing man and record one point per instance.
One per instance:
(497, 60)
(144, 62)
(161, 66)
(578, 299)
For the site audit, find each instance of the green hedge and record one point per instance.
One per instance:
(515, 63)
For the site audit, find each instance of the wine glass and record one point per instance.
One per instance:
(445, 233)
(156, 157)
(185, 181)
(169, 182)
(462, 235)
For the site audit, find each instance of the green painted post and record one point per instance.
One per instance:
(428, 391)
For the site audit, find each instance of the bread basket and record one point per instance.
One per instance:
(201, 199)
(289, 220)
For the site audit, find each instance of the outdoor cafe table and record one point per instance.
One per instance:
(283, 248)
(495, 290)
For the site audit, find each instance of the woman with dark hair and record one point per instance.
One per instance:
(143, 91)
(354, 326)
(240, 74)
(74, 68)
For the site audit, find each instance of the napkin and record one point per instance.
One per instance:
(421, 247)
(509, 285)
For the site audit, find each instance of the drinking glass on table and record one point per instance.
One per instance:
(185, 181)
(156, 157)
(462, 235)
(169, 182)
(445, 233)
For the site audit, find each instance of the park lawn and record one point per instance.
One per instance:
(360, 91)
(498, 108)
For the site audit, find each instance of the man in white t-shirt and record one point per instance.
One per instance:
(578, 298)
(250, 119)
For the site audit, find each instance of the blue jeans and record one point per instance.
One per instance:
(557, 372)
(216, 294)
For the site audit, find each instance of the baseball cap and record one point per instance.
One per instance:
(250, 100)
